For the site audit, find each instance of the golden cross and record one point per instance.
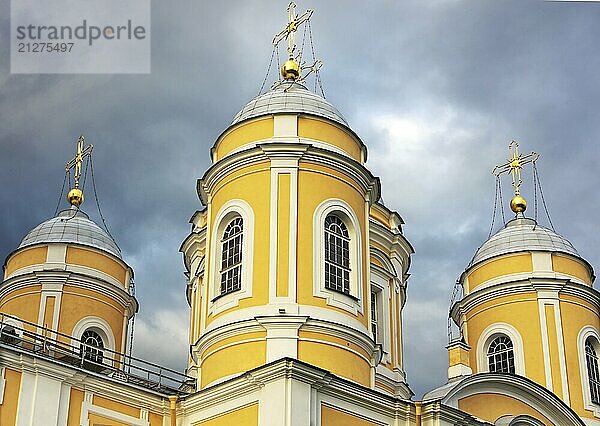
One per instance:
(289, 32)
(514, 164)
(77, 161)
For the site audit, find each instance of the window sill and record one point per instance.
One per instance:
(354, 298)
(214, 299)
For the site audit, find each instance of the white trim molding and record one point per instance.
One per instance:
(380, 285)
(354, 302)
(87, 408)
(486, 337)
(585, 333)
(230, 210)
(2, 383)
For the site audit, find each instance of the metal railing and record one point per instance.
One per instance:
(47, 343)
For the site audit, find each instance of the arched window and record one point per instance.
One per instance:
(591, 360)
(231, 256)
(337, 255)
(500, 355)
(91, 346)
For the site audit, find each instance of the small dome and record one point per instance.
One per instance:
(523, 234)
(289, 97)
(71, 226)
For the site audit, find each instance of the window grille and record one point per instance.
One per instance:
(91, 346)
(501, 357)
(231, 256)
(592, 370)
(374, 315)
(337, 255)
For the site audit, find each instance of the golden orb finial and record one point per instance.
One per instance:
(290, 70)
(518, 204)
(75, 197)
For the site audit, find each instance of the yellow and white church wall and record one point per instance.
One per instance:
(68, 288)
(283, 174)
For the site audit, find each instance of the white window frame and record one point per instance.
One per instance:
(585, 333)
(354, 301)
(101, 327)
(486, 338)
(380, 285)
(230, 210)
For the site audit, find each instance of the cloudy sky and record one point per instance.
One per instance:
(435, 89)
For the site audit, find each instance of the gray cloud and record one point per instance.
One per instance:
(435, 90)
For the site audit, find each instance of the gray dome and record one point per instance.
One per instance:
(71, 226)
(523, 234)
(289, 97)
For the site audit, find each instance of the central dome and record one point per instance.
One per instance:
(71, 226)
(289, 97)
(523, 234)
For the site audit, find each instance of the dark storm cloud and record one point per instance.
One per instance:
(435, 89)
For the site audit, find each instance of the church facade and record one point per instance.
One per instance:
(297, 277)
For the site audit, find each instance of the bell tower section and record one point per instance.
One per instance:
(294, 255)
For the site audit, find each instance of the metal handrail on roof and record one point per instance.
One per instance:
(47, 343)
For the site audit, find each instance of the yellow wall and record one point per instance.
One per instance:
(232, 360)
(26, 257)
(379, 216)
(246, 416)
(8, 409)
(522, 312)
(116, 406)
(339, 361)
(283, 234)
(458, 355)
(491, 406)
(248, 132)
(576, 314)
(83, 303)
(97, 420)
(75, 407)
(499, 267)
(251, 184)
(23, 303)
(332, 417)
(569, 266)
(49, 312)
(311, 128)
(553, 350)
(155, 419)
(238, 339)
(95, 260)
(315, 185)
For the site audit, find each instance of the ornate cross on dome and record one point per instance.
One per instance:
(77, 161)
(513, 165)
(75, 195)
(289, 32)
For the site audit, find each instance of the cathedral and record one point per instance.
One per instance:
(296, 282)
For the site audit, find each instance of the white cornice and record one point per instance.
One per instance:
(60, 277)
(567, 287)
(369, 184)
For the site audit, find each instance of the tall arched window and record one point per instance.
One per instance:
(231, 256)
(337, 255)
(591, 359)
(91, 346)
(500, 355)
